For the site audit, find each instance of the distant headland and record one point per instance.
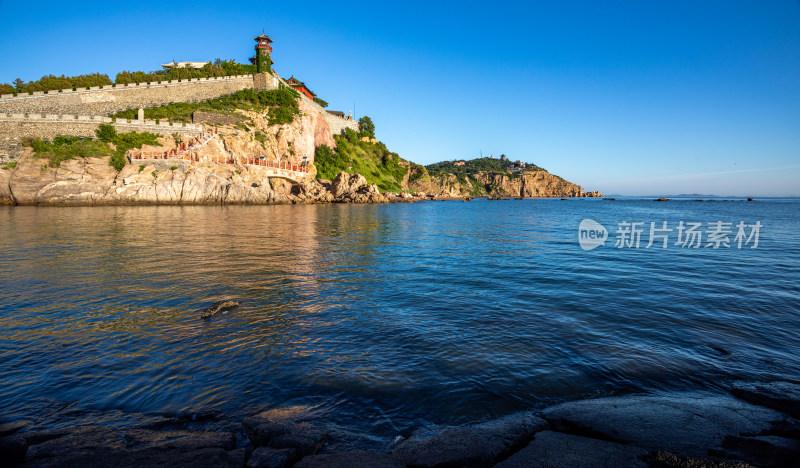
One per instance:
(219, 132)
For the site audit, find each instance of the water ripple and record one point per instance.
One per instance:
(384, 317)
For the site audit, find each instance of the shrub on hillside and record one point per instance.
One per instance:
(106, 133)
(64, 148)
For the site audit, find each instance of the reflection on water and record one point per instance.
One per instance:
(382, 316)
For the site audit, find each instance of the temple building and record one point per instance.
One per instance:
(298, 85)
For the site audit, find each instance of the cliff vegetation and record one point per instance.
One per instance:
(280, 103)
(360, 154)
(473, 166)
(109, 144)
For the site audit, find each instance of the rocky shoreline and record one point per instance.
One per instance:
(754, 424)
(93, 182)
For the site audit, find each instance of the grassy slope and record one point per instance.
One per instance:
(372, 160)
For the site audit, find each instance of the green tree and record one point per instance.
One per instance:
(18, 84)
(106, 133)
(367, 127)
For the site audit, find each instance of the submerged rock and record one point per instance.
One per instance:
(556, 450)
(686, 423)
(218, 307)
(470, 446)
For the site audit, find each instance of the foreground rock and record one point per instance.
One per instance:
(556, 450)
(681, 429)
(104, 446)
(284, 428)
(470, 446)
(684, 423)
(782, 396)
(670, 460)
(766, 451)
(360, 459)
(266, 457)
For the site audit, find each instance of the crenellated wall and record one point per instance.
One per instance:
(338, 124)
(106, 100)
(14, 128)
(79, 112)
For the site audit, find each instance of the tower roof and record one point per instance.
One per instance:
(262, 36)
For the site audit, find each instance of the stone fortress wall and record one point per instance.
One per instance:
(79, 112)
(106, 100)
(338, 124)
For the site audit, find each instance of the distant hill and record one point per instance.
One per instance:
(491, 177)
(473, 166)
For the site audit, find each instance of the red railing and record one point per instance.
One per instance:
(184, 151)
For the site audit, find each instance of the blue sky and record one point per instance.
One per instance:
(624, 97)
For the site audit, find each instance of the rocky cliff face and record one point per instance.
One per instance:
(288, 143)
(91, 181)
(532, 184)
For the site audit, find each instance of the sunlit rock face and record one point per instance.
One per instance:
(533, 184)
